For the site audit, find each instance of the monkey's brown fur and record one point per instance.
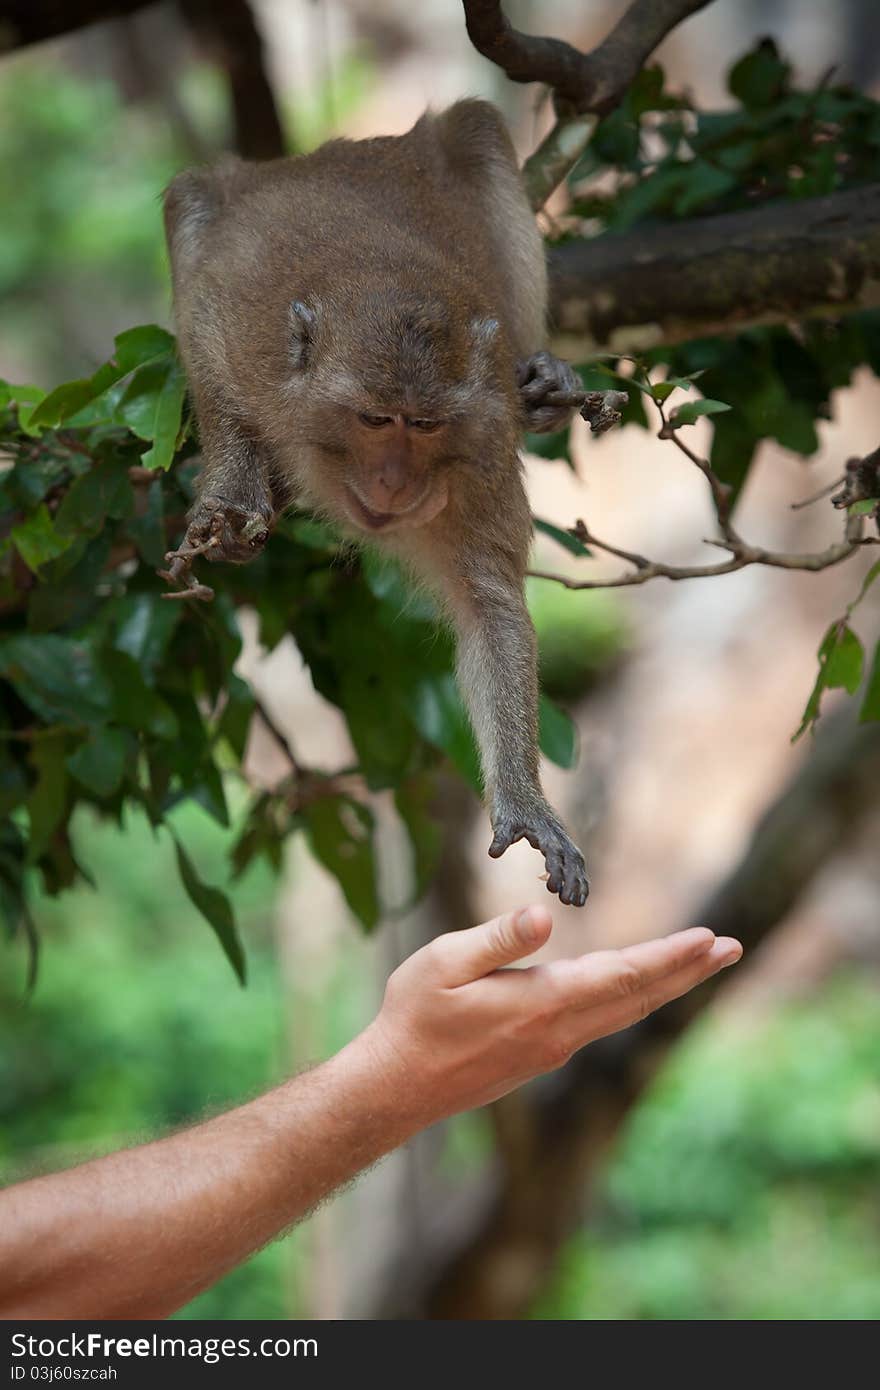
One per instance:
(361, 328)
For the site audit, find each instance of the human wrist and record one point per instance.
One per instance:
(393, 1078)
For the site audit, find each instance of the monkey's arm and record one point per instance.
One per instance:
(497, 672)
(234, 508)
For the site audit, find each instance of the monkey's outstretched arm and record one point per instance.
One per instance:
(497, 672)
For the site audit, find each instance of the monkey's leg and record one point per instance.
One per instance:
(233, 507)
(539, 378)
(497, 674)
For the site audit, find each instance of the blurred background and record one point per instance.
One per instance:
(743, 1183)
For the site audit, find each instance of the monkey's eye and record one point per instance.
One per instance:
(376, 422)
(426, 426)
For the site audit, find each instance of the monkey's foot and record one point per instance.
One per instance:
(546, 385)
(223, 530)
(566, 873)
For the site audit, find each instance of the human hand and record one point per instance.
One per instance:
(457, 1030)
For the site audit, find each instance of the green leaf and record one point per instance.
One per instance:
(871, 704)
(48, 800)
(104, 491)
(661, 390)
(703, 183)
(133, 348)
(26, 398)
(37, 540)
(557, 734)
(205, 787)
(14, 785)
(134, 704)
(413, 802)
(137, 346)
(690, 412)
(145, 626)
(872, 575)
(841, 662)
(436, 708)
(733, 447)
(99, 762)
(235, 721)
(215, 908)
(69, 399)
(340, 832)
(153, 406)
(147, 529)
(262, 835)
(57, 677)
(563, 538)
(761, 77)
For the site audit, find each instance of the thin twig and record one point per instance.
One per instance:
(741, 554)
(722, 493)
(744, 555)
(817, 496)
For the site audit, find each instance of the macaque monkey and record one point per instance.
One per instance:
(361, 329)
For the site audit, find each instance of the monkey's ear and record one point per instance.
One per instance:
(193, 201)
(303, 323)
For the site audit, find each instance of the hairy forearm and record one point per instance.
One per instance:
(141, 1232)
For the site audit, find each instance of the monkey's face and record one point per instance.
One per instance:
(389, 474)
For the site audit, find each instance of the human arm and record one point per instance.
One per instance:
(139, 1233)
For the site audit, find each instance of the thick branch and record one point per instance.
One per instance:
(717, 274)
(227, 31)
(31, 21)
(581, 82)
(231, 38)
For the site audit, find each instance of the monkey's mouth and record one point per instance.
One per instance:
(432, 501)
(364, 516)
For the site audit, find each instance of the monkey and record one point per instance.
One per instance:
(361, 329)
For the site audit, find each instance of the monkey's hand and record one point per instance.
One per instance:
(540, 379)
(224, 530)
(567, 874)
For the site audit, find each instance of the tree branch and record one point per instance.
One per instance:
(717, 274)
(741, 553)
(231, 38)
(31, 21)
(227, 31)
(581, 82)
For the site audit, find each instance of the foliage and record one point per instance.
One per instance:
(657, 158)
(745, 1183)
(114, 696)
(672, 162)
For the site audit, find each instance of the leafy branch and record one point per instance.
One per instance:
(841, 655)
